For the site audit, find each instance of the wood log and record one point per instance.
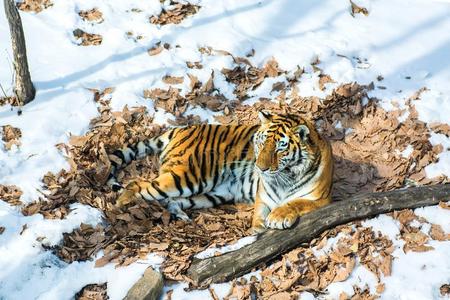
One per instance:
(273, 243)
(24, 88)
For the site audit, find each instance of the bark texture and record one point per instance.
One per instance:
(24, 88)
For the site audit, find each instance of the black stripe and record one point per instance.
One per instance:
(192, 167)
(187, 147)
(177, 180)
(189, 130)
(114, 165)
(212, 149)
(148, 148)
(116, 187)
(271, 191)
(155, 186)
(203, 161)
(253, 181)
(189, 184)
(142, 195)
(134, 148)
(245, 149)
(132, 155)
(159, 144)
(151, 195)
(216, 173)
(171, 133)
(212, 199)
(232, 143)
(120, 155)
(223, 200)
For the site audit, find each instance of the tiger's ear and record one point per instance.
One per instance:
(302, 131)
(265, 116)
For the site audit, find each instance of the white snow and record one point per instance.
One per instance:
(28, 272)
(443, 165)
(407, 152)
(406, 42)
(239, 244)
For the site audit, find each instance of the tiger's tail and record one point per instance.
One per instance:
(121, 157)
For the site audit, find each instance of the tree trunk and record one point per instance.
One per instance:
(24, 88)
(273, 243)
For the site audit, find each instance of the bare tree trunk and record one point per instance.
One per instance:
(273, 243)
(24, 88)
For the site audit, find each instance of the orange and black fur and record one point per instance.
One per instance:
(283, 166)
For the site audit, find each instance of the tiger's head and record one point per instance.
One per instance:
(285, 142)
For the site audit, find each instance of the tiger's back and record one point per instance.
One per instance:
(211, 156)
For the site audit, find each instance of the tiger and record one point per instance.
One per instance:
(283, 166)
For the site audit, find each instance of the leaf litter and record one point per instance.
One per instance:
(87, 39)
(91, 15)
(35, 6)
(10, 194)
(10, 136)
(93, 292)
(175, 13)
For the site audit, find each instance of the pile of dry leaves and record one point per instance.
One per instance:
(91, 15)
(93, 292)
(175, 13)
(10, 194)
(34, 5)
(10, 136)
(87, 39)
(13, 101)
(204, 95)
(355, 9)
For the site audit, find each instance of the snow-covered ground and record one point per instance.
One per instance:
(404, 41)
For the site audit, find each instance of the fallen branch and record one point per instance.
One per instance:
(273, 243)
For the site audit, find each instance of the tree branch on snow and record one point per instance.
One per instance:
(273, 243)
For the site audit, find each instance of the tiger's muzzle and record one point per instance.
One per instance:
(267, 158)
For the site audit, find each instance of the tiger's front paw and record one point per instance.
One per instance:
(281, 218)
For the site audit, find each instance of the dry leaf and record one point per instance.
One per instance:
(172, 79)
(271, 68)
(87, 39)
(324, 79)
(438, 234)
(93, 292)
(176, 14)
(158, 48)
(380, 288)
(444, 205)
(355, 9)
(34, 5)
(445, 289)
(92, 15)
(11, 136)
(10, 194)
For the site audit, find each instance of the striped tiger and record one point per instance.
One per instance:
(283, 166)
